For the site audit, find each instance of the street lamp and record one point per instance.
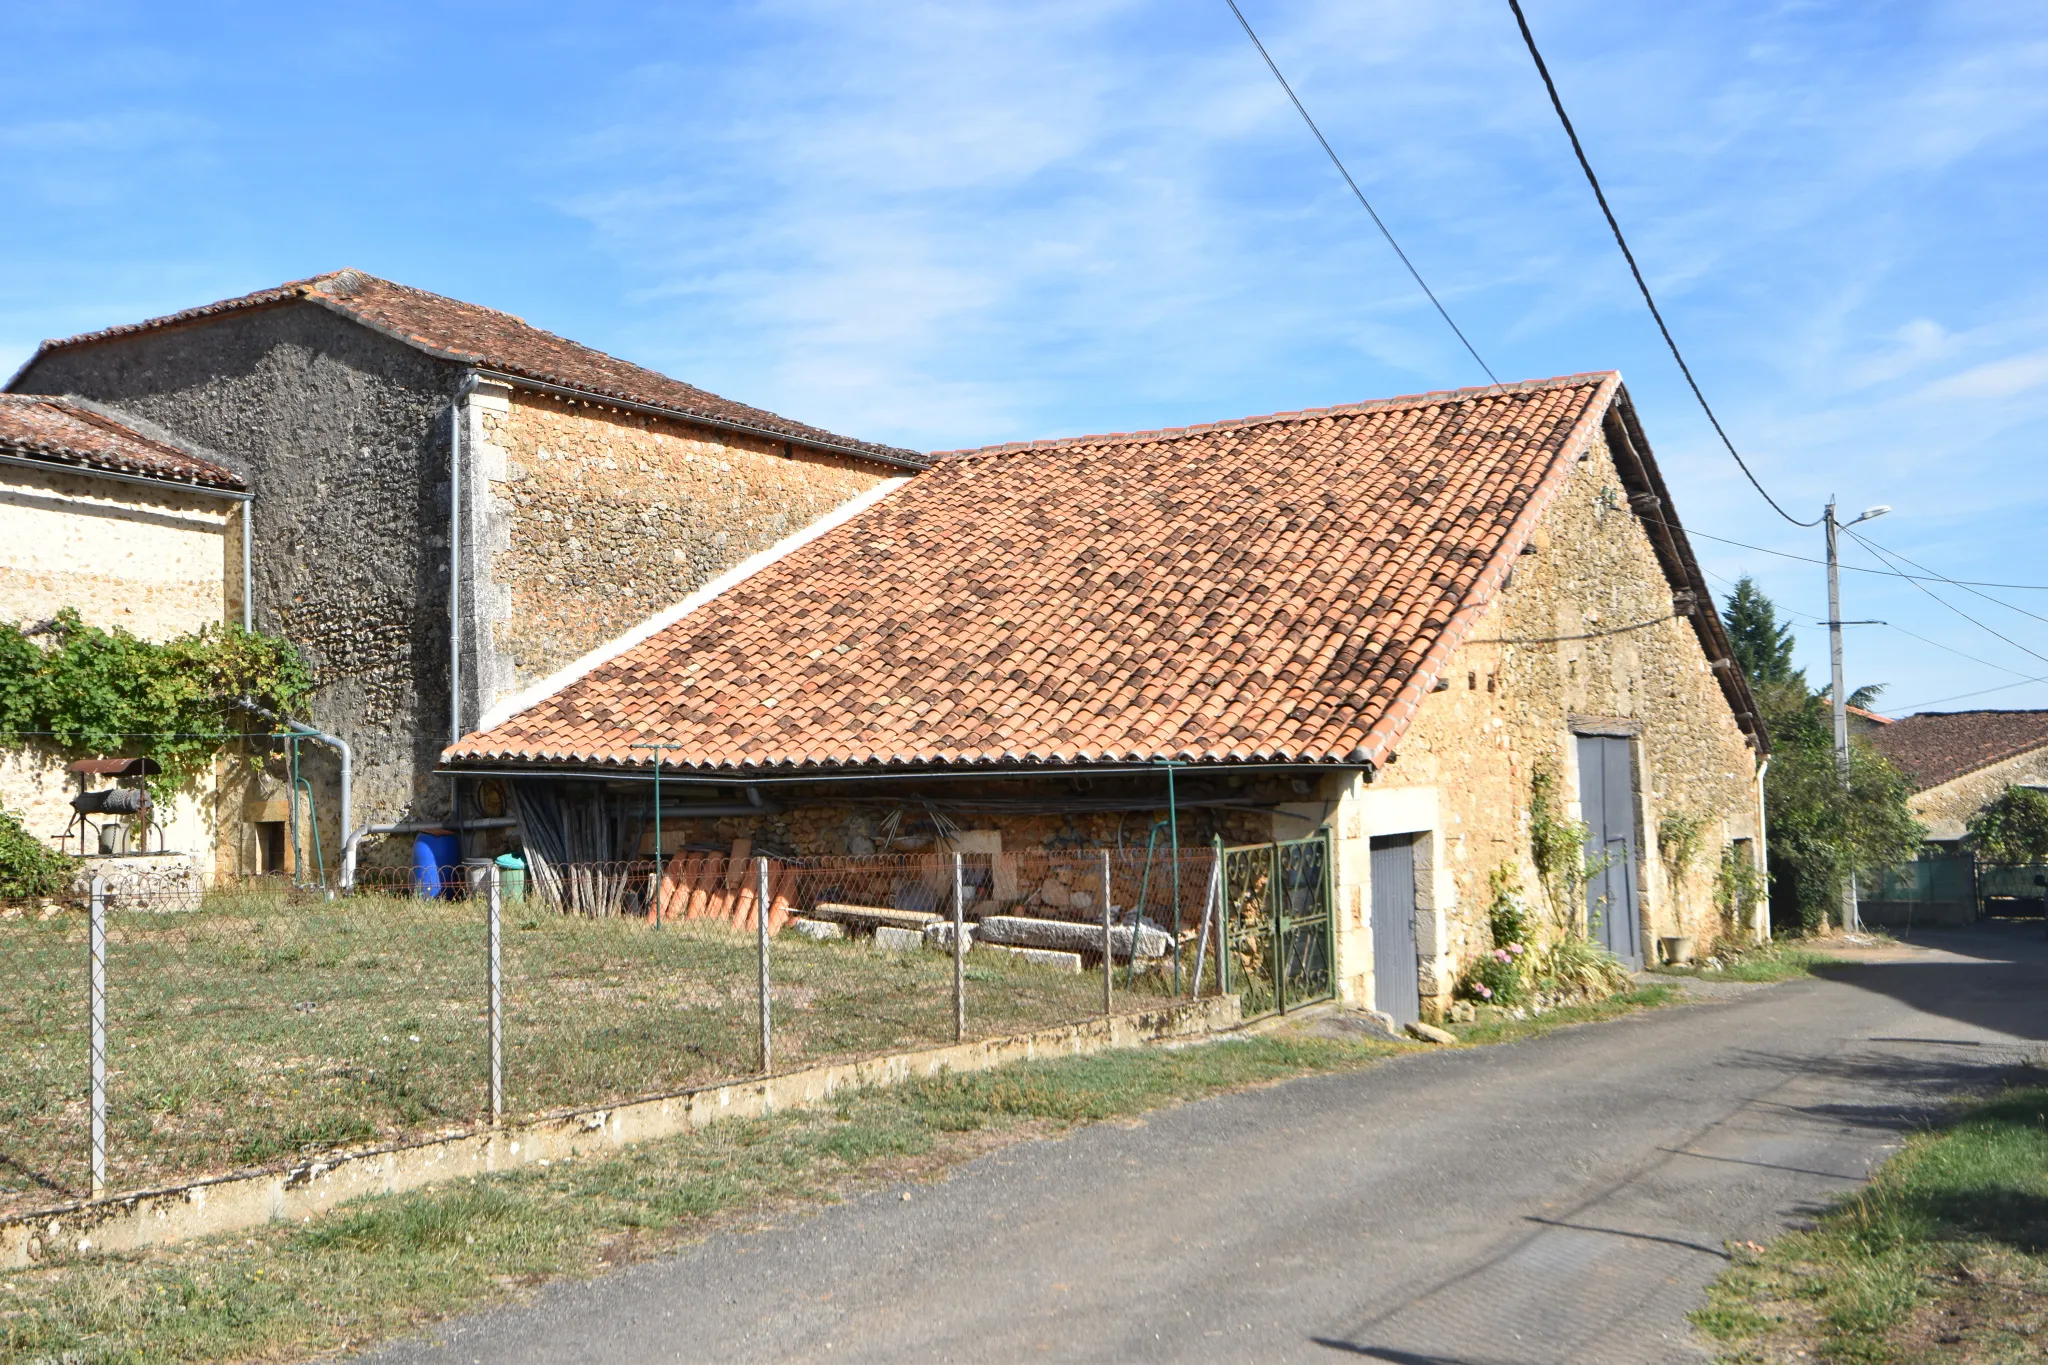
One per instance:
(1850, 919)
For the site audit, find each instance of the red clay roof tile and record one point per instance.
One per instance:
(60, 431)
(1934, 747)
(1276, 588)
(473, 335)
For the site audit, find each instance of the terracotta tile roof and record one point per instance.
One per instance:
(1862, 713)
(469, 334)
(1934, 747)
(63, 431)
(1274, 589)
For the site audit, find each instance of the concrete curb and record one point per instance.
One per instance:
(233, 1202)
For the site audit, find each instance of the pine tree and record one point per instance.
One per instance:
(1762, 646)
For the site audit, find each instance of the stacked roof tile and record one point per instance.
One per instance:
(61, 431)
(1277, 589)
(472, 335)
(1939, 746)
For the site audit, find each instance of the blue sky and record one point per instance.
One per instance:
(949, 224)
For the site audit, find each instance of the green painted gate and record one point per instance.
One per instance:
(1280, 930)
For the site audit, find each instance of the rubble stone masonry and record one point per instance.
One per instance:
(1563, 650)
(590, 520)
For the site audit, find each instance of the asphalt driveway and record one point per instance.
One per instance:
(1560, 1200)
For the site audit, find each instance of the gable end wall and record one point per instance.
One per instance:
(1461, 775)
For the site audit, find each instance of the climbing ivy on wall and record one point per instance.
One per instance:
(107, 691)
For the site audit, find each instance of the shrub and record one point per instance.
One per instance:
(108, 691)
(1576, 968)
(1499, 976)
(28, 866)
(1496, 977)
(2013, 828)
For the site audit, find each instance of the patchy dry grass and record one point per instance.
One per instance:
(380, 1267)
(261, 1029)
(1942, 1257)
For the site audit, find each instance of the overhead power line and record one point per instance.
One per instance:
(1952, 606)
(1557, 103)
(1951, 649)
(1930, 575)
(1359, 194)
(1937, 577)
(1980, 692)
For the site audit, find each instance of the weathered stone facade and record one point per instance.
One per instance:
(1555, 655)
(588, 519)
(155, 560)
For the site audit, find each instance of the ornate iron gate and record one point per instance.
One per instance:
(1280, 942)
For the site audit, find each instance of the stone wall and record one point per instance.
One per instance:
(1946, 809)
(1554, 655)
(149, 560)
(587, 520)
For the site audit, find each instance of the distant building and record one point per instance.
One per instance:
(1960, 761)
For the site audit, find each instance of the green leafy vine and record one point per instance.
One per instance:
(90, 690)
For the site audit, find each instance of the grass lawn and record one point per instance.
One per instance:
(381, 1266)
(1942, 1257)
(1779, 960)
(262, 1028)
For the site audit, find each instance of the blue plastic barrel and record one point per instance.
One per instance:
(436, 863)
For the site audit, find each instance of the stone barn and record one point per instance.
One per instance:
(450, 503)
(1387, 625)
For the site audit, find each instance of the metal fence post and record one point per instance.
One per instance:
(497, 990)
(761, 952)
(1222, 919)
(1276, 900)
(97, 990)
(1107, 972)
(959, 948)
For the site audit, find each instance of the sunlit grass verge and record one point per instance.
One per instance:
(380, 1267)
(1943, 1256)
(1496, 1026)
(1765, 962)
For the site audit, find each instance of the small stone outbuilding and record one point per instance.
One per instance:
(1382, 621)
(134, 530)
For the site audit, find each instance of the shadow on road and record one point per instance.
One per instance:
(2000, 987)
(1389, 1353)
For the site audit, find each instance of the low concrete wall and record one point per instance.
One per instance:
(229, 1203)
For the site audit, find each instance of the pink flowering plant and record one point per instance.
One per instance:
(1499, 976)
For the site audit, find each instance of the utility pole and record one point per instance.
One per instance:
(1851, 921)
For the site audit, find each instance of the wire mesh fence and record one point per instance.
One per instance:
(259, 1024)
